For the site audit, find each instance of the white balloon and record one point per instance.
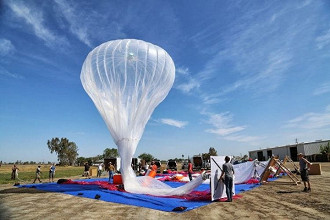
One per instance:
(127, 79)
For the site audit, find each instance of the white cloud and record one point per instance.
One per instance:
(322, 89)
(210, 99)
(172, 122)
(76, 23)
(311, 120)
(254, 52)
(35, 18)
(269, 77)
(223, 127)
(225, 131)
(327, 108)
(188, 86)
(323, 40)
(6, 47)
(254, 140)
(4, 72)
(222, 124)
(183, 71)
(185, 81)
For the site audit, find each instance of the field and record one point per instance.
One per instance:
(275, 200)
(26, 173)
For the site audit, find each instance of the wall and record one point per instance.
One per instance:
(305, 148)
(253, 155)
(313, 148)
(281, 152)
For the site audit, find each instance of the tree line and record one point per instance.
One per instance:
(67, 153)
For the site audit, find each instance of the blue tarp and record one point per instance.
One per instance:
(147, 201)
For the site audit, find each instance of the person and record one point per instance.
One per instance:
(146, 166)
(86, 170)
(99, 170)
(14, 172)
(304, 166)
(154, 166)
(52, 172)
(139, 167)
(38, 172)
(190, 170)
(228, 171)
(111, 171)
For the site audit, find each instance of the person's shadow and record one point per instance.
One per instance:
(217, 183)
(288, 191)
(5, 212)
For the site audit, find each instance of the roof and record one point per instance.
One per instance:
(292, 145)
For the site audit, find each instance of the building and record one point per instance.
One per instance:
(290, 150)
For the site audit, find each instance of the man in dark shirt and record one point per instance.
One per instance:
(304, 167)
(86, 171)
(228, 171)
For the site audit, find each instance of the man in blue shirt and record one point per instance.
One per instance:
(52, 172)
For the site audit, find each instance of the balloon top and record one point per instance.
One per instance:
(127, 79)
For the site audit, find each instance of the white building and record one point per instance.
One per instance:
(290, 150)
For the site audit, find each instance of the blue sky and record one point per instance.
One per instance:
(249, 74)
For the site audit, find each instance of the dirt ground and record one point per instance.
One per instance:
(275, 200)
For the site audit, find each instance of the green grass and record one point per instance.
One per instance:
(26, 174)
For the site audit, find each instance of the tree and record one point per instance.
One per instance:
(245, 157)
(212, 152)
(108, 153)
(146, 157)
(80, 161)
(66, 150)
(325, 149)
(205, 156)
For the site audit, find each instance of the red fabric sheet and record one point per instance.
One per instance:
(193, 196)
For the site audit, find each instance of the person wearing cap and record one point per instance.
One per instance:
(304, 166)
(111, 171)
(38, 172)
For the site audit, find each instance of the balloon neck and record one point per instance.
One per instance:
(119, 142)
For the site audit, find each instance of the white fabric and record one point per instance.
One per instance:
(127, 79)
(243, 173)
(250, 169)
(218, 188)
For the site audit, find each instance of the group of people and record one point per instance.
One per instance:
(111, 169)
(146, 169)
(15, 169)
(51, 172)
(228, 173)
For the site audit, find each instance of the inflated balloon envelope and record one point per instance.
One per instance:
(127, 79)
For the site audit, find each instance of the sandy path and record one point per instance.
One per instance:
(278, 200)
